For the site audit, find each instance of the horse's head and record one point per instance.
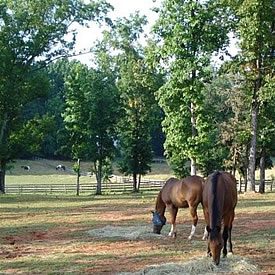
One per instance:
(158, 221)
(215, 243)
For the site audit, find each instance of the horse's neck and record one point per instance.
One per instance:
(217, 203)
(160, 205)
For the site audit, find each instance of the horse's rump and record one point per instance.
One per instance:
(222, 185)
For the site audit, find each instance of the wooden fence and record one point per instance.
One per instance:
(269, 186)
(110, 187)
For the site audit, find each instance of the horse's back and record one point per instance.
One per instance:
(183, 192)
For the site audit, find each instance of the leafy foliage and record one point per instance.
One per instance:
(33, 33)
(187, 34)
(91, 114)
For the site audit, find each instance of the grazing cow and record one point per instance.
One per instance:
(26, 167)
(60, 167)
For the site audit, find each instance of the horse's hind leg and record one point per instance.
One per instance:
(193, 212)
(173, 213)
(225, 238)
(230, 229)
(229, 238)
(227, 233)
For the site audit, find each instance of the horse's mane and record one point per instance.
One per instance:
(215, 210)
(160, 205)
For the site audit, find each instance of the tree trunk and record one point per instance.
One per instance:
(139, 180)
(135, 183)
(99, 179)
(193, 125)
(252, 152)
(245, 180)
(3, 142)
(78, 177)
(262, 172)
(2, 176)
(254, 120)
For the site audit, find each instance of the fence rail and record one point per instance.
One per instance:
(269, 186)
(125, 186)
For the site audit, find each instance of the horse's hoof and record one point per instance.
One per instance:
(190, 237)
(172, 234)
(204, 238)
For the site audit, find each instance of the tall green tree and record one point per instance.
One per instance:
(91, 115)
(255, 29)
(137, 83)
(266, 136)
(32, 33)
(187, 33)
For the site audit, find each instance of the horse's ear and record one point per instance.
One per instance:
(208, 229)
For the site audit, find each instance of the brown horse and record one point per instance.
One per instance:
(177, 194)
(219, 200)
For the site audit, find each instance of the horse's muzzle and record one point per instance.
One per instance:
(157, 229)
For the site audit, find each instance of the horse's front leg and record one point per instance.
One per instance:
(193, 211)
(205, 234)
(173, 213)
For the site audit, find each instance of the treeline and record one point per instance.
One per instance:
(137, 98)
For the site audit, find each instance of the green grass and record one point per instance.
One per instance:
(44, 172)
(50, 233)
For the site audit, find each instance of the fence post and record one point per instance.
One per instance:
(78, 176)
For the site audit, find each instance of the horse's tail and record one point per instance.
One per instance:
(216, 212)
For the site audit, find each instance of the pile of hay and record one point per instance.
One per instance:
(126, 233)
(231, 264)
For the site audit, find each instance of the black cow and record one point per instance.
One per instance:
(60, 167)
(26, 167)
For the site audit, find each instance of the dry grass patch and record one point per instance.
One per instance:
(231, 264)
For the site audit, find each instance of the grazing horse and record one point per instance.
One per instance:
(219, 200)
(177, 194)
(26, 167)
(60, 167)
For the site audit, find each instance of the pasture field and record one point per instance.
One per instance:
(43, 171)
(46, 234)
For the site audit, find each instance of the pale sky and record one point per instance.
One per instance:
(122, 8)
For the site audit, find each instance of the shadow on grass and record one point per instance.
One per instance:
(13, 198)
(60, 264)
(255, 203)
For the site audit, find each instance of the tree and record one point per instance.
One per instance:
(91, 114)
(187, 34)
(255, 29)
(137, 84)
(33, 33)
(266, 136)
